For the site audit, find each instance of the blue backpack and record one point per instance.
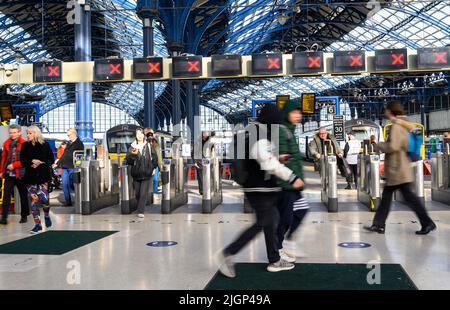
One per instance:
(414, 147)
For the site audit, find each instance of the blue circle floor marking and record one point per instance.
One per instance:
(354, 245)
(162, 243)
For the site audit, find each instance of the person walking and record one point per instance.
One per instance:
(12, 172)
(398, 172)
(292, 206)
(261, 190)
(66, 163)
(37, 158)
(142, 160)
(150, 135)
(351, 151)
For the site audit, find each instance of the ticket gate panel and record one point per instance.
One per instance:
(128, 202)
(212, 185)
(173, 176)
(368, 185)
(328, 174)
(440, 172)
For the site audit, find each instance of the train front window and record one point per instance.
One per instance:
(120, 141)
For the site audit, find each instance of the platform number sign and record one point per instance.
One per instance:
(187, 66)
(338, 127)
(108, 69)
(47, 71)
(147, 68)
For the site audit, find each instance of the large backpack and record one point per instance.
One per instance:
(240, 172)
(414, 147)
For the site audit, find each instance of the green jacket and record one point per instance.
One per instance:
(289, 145)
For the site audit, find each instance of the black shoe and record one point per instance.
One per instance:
(427, 229)
(23, 220)
(67, 205)
(375, 228)
(3, 222)
(349, 186)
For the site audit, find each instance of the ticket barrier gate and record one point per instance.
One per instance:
(128, 202)
(368, 185)
(440, 175)
(418, 184)
(173, 177)
(92, 188)
(328, 176)
(212, 184)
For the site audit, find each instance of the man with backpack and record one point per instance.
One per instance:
(398, 172)
(258, 178)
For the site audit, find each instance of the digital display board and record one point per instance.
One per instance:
(6, 112)
(309, 103)
(307, 62)
(226, 65)
(147, 68)
(267, 64)
(187, 66)
(390, 59)
(47, 71)
(350, 61)
(108, 69)
(281, 101)
(433, 58)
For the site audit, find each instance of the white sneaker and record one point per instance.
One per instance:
(280, 266)
(141, 216)
(225, 264)
(291, 248)
(286, 257)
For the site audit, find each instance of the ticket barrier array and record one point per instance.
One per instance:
(328, 176)
(96, 184)
(418, 183)
(368, 185)
(173, 177)
(212, 184)
(440, 175)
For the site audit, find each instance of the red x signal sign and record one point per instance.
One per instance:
(440, 58)
(314, 62)
(114, 68)
(53, 71)
(356, 61)
(273, 63)
(154, 67)
(398, 59)
(193, 66)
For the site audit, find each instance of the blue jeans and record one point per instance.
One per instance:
(155, 181)
(66, 184)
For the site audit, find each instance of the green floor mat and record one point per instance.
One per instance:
(253, 276)
(55, 242)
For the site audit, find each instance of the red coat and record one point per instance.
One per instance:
(16, 159)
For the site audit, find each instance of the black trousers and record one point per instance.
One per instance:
(10, 182)
(141, 189)
(290, 220)
(354, 169)
(267, 219)
(200, 179)
(412, 201)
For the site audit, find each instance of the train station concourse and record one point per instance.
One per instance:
(225, 153)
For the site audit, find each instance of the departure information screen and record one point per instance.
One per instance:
(47, 71)
(108, 69)
(351, 61)
(147, 68)
(309, 103)
(226, 65)
(281, 101)
(267, 64)
(433, 58)
(187, 66)
(307, 62)
(389, 59)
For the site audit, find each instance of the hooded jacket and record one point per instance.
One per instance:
(288, 145)
(17, 165)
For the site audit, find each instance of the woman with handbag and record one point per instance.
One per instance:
(37, 158)
(142, 159)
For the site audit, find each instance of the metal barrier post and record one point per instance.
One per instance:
(128, 202)
(166, 190)
(85, 188)
(374, 190)
(206, 199)
(332, 184)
